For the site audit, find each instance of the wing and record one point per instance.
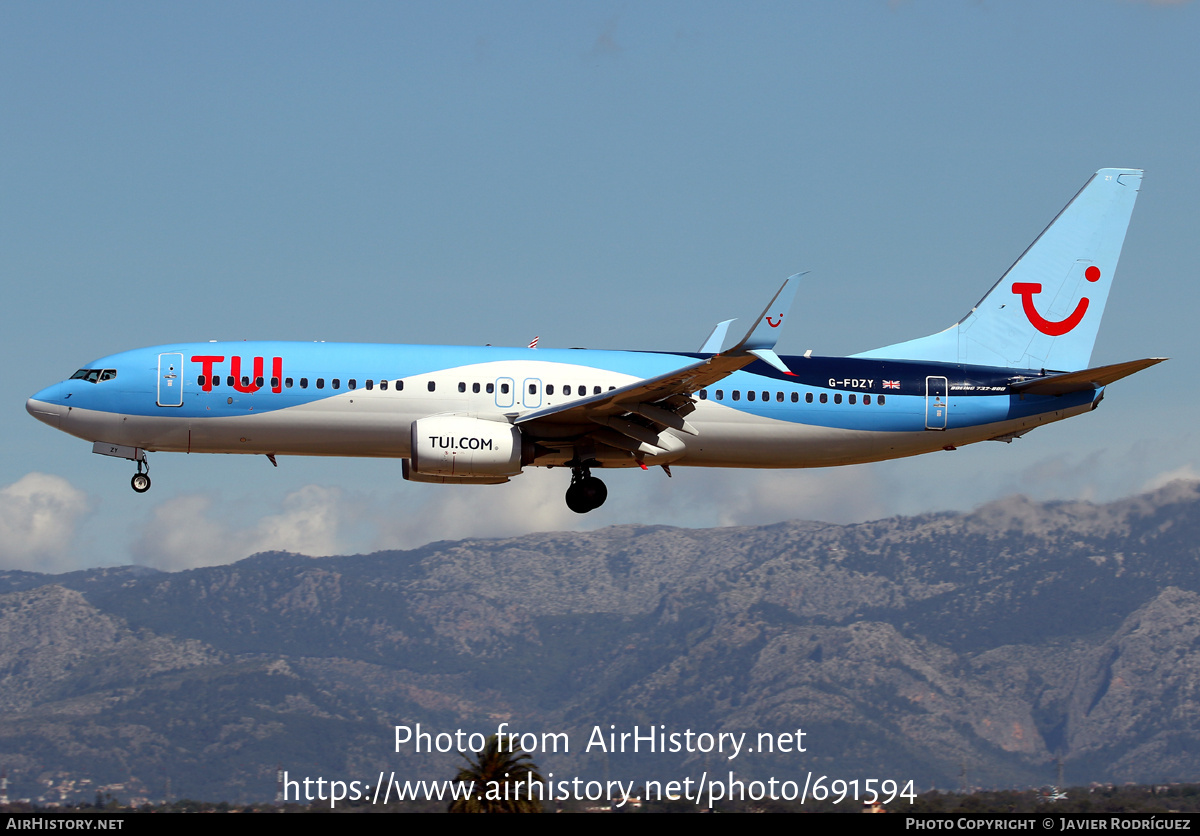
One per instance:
(681, 381)
(634, 417)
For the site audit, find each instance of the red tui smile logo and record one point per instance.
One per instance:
(1027, 290)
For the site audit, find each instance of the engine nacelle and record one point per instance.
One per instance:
(465, 447)
(411, 475)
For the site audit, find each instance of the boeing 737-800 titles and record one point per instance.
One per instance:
(470, 415)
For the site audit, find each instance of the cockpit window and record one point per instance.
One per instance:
(94, 375)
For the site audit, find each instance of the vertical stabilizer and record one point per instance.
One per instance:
(1044, 312)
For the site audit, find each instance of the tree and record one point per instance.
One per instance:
(501, 781)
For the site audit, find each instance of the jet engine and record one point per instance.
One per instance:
(465, 448)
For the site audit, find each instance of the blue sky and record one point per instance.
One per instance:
(616, 175)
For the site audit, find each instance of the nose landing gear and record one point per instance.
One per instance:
(141, 480)
(586, 493)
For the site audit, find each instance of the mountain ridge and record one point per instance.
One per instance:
(1001, 639)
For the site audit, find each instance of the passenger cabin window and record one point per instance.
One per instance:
(383, 384)
(399, 385)
(287, 382)
(808, 398)
(352, 383)
(274, 383)
(880, 401)
(503, 388)
(703, 395)
(370, 384)
(766, 396)
(491, 387)
(567, 389)
(533, 388)
(432, 386)
(779, 396)
(796, 397)
(837, 398)
(737, 395)
(824, 398)
(852, 398)
(229, 380)
(462, 387)
(720, 394)
(337, 383)
(750, 395)
(867, 400)
(549, 388)
(474, 388)
(320, 383)
(304, 383)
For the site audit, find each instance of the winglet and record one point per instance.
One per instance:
(760, 340)
(717, 338)
(765, 332)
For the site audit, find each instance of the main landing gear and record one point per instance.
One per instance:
(587, 493)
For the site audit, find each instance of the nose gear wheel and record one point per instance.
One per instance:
(141, 480)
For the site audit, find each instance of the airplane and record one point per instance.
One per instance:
(479, 415)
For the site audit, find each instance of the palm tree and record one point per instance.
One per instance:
(500, 781)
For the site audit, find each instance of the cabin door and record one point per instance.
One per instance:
(170, 380)
(504, 392)
(937, 403)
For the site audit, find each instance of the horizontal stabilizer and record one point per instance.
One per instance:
(771, 359)
(1064, 384)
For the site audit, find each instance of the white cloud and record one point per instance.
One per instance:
(309, 523)
(188, 531)
(532, 501)
(1186, 472)
(695, 497)
(839, 495)
(38, 515)
(195, 530)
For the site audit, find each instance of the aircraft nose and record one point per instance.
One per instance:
(44, 411)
